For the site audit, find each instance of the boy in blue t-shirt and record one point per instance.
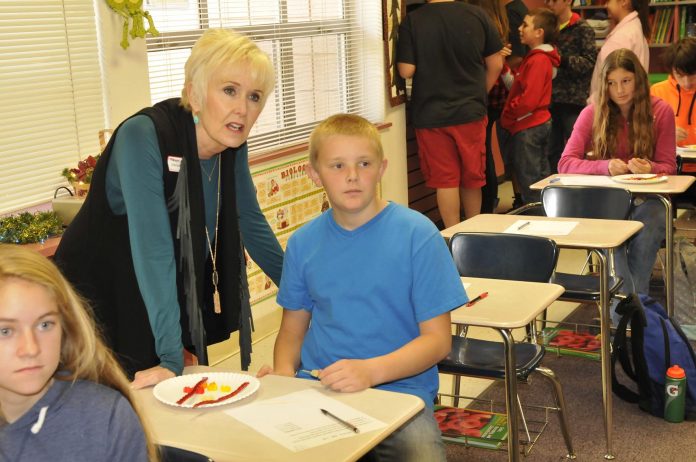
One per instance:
(367, 288)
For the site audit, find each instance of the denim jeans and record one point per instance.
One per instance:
(524, 154)
(634, 261)
(418, 440)
(563, 117)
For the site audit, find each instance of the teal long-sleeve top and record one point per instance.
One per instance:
(134, 187)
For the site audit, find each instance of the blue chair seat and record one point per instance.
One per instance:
(483, 358)
(584, 287)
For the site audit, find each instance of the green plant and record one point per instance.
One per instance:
(27, 228)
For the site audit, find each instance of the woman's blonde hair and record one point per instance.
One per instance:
(221, 47)
(641, 138)
(344, 124)
(83, 355)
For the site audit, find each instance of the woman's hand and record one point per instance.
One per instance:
(617, 167)
(637, 165)
(506, 50)
(151, 376)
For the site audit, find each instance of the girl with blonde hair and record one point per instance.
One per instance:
(627, 131)
(63, 396)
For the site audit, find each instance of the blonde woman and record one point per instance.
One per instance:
(158, 247)
(626, 131)
(63, 396)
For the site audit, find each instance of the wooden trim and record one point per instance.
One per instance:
(295, 149)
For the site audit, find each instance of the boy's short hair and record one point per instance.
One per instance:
(343, 124)
(681, 56)
(547, 21)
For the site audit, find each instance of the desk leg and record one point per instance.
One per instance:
(669, 251)
(511, 395)
(605, 322)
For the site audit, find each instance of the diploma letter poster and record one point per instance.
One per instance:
(289, 199)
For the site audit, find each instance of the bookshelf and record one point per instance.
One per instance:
(669, 21)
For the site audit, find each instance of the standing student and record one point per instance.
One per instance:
(571, 86)
(158, 246)
(526, 121)
(627, 131)
(679, 90)
(631, 29)
(516, 11)
(367, 288)
(496, 101)
(63, 396)
(451, 50)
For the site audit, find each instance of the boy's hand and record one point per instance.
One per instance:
(637, 165)
(617, 167)
(506, 50)
(265, 370)
(347, 376)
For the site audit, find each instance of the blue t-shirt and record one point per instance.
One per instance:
(368, 289)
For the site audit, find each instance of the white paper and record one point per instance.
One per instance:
(585, 180)
(466, 284)
(542, 227)
(295, 420)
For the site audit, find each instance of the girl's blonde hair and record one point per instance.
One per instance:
(221, 47)
(83, 355)
(641, 138)
(344, 124)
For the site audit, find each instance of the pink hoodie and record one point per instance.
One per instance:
(528, 103)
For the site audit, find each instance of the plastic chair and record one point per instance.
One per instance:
(503, 256)
(586, 202)
(172, 454)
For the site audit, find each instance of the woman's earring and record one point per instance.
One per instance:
(196, 119)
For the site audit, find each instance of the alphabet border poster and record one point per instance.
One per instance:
(288, 199)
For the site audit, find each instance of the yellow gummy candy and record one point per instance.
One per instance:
(212, 386)
(225, 388)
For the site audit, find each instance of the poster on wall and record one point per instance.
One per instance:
(393, 12)
(288, 199)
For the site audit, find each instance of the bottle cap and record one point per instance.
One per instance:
(676, 372)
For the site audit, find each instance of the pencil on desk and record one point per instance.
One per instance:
(338, 419)
(476, 299)
(526, 223)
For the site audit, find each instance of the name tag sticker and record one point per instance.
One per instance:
(174, 163)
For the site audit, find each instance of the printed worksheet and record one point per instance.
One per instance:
(585, 180)
(297, 422)
(542, 227)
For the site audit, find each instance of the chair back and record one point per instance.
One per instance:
(601, 202)
(174, 454)
(504, 256)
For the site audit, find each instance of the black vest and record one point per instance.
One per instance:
(95, 255)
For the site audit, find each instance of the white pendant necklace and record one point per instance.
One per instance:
(213, 251)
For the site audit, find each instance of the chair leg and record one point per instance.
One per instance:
(455, 390)
(561, 405)
(524, 420)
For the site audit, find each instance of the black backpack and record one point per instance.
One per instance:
(656, 343)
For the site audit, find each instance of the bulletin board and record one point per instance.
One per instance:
(288, 199)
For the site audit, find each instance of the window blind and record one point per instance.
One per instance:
(328, 56)
(51, 90)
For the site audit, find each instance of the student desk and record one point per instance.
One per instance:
(225, 439)
(590, 234)
(502, 310)
(675, 184)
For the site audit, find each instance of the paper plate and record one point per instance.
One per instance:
(689, 148)
(639, 178)
(171, 390)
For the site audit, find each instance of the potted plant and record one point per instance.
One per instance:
(81, 177)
